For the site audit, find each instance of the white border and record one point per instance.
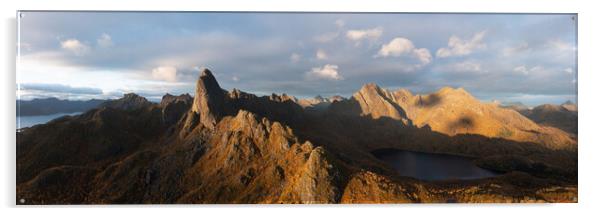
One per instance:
(589, 102)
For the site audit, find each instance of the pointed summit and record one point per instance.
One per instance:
(378, 102)
(208, 99)
(370, 86)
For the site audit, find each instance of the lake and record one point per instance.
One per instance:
(427, 166)
(28, 121)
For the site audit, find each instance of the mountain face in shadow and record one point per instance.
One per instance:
(49, 106)
(236, 147)
(562, 116)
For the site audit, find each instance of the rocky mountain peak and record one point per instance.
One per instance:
(370, 87)
(173, 107)
(168, 99)
(568, 102)
(282, 98)
(129, 101)
(457, 95)
(547, 107)
(452, 91)
(570, 106)
(336, 98)
(319, 98)
(129, 96)
(209, 99)
(378, 102)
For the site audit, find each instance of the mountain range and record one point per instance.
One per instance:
(235, 147)
(563, 116)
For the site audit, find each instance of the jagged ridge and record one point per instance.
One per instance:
(235, 147)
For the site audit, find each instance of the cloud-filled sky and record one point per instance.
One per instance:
(505, 57)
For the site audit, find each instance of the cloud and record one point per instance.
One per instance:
(320, 54)
(396, 47)
(235, 78)
(165, 73)
(58, 88)
(75, 46)
(468, 66)
(424, 55)
(216, 48)
(295, 57)
(328, 72)
(463, 67)
(361, 34)
(404, 47)
(284, 55)
(526, 71)
(104, 41)
(561, 45)
(326, 37)
(459, 47)
(330, 36)
(568, 70)
(521, 69)
(522, 47)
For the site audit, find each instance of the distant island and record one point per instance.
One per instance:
(47, 106)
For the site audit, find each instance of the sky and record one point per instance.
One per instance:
(528, 58)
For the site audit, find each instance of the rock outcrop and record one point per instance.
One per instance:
(318, 103)
(129, 101)
(174, 107)
(209, 102)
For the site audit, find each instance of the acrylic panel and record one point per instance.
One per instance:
(261, 108)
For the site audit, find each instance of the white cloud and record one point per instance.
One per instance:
(424, 55)
(75, 46)
(360, 34)
(235, 78)
(295, 57)
(459, 47)
(396, 47)
(104, 40)
(165, 73)
(328, 72)
(404, 47)
(568, 70)
(467, 66)
(522, 47)
(521, 69)
(320, 54)
(526, 71)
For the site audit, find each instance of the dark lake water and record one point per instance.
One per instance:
(28, 121)
(427, 166)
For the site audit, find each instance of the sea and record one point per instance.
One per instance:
(28, 121)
